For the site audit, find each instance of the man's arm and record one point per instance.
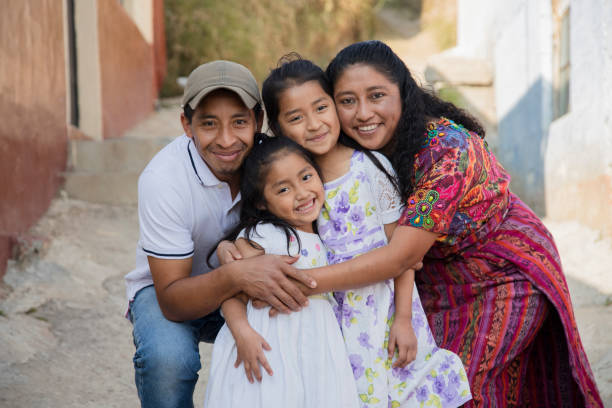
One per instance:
(267, 277)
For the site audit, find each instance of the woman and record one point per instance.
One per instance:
(492, 283)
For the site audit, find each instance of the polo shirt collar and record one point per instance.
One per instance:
(202, 172)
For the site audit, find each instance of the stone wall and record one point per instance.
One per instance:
(33, 130)
(126, 70)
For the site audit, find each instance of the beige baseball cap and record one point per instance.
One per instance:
(221, 74)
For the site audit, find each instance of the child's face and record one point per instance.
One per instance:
(293, 191)
(308, 116)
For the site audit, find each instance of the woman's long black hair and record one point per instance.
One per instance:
(255, 170)
(419, 106)
(292, 70)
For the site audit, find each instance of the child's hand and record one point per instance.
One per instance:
(250, 346)
(227, 252)
(402, 338)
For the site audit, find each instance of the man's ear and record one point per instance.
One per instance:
(260, 120)
(186, 125)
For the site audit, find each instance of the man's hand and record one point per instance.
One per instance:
(268, 278)
(250, 351)
(402, 339)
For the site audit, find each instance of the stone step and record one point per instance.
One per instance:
(125, 154)
(108, 187)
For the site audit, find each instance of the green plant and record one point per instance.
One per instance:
(256, 33)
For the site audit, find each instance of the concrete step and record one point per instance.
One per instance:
(125, 154)
(107, 172)
(108, 187)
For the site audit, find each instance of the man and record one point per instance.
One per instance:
(188, 199)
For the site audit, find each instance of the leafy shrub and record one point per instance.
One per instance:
(256, 33)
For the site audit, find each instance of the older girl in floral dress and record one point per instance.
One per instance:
(361, 208)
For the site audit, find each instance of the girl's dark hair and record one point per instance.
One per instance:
(265, 151)
(292, 70)
(418, 105)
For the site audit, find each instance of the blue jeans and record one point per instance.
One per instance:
(167, 358)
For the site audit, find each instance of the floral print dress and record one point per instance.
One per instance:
(357, 207)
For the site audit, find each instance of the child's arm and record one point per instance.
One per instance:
(401, 335)
(250, 345)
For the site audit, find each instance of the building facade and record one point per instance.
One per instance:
(70, 69)
(552, 64)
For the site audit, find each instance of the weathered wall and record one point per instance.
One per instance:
(579, 154)
(159, 44)
(523, 67)
(562, 167)
(33, 131)
(126, 68)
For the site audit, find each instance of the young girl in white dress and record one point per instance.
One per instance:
(302, 352)
(393, 355)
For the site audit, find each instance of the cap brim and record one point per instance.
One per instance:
(249, 100)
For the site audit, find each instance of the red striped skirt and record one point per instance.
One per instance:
(503, 305)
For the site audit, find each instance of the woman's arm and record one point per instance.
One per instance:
(407, 247)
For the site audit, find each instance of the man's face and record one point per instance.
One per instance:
(222, 129)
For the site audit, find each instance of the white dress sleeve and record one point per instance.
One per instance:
(389, 200)
(271, 238)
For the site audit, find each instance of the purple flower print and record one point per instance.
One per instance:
(422, 393)
(332, 258)
(364, 340)
(371, 302)
(348, 313)
(418, 320)
(338, 226)
(454, 379)
(357, 215)
(448, 361)
(304, 252)
(356, 365)
(342, 204)
(438, 385)
(450, 393)
(403, 373)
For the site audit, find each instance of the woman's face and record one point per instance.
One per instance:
(307, 115)
(369, 105)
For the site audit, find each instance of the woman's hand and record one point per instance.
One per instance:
(227, 252)
(403, 340)
(250, 346)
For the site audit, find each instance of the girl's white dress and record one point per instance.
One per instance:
(308, 357)
(357, 206)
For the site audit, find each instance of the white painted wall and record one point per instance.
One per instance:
(579, 154)
(562, 168)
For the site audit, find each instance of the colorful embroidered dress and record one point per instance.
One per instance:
(492, 285)
(357, 207)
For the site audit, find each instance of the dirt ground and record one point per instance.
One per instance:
(65, 343)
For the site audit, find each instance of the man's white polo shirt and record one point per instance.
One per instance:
(183, 210)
